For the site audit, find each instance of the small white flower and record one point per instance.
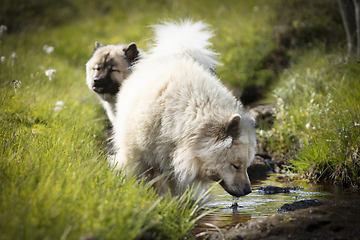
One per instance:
(58, 106)
(59, 103)
(3, 29)
(261, 133)
(2, 59)
(280, 102)
(13, 58)
(308, 125)
(256, 9)
(48, 49)
(50, 73)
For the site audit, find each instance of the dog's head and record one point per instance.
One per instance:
(109, 66)
(226, 151)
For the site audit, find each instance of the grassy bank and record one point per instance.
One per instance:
(318, 118)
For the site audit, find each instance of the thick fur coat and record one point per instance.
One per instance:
(175, 118)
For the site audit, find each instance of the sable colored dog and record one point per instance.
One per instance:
(175, 117)
(107, 69)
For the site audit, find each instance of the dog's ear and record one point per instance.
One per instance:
(232, 126)
(97, 45)
(131, 52)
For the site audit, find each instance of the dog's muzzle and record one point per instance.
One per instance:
(97, 87)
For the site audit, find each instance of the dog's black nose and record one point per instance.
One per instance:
(97, 80)
(247, 190)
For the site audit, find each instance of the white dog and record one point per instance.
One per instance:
(175, 118)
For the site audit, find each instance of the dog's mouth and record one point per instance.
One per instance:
(105, 85)
(98, 89)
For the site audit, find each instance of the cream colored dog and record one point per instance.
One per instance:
(175, 118)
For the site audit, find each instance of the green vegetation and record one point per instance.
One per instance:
(323, 123)
(55, 180)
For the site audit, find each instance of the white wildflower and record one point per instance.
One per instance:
(256, 9)
(262, 133)
(3, 29)
(2, 59)
(50, 73)
(58, 106)
(59, 103)
(308, 125)
(48, 49)
(13, 58)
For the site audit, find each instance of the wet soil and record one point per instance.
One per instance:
(334, 220)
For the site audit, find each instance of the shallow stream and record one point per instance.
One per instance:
(260, 205)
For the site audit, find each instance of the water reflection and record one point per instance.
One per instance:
(260, 205)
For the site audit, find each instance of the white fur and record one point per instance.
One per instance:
(171, 112)
(185, 39)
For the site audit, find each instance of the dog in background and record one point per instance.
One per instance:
(106, 70)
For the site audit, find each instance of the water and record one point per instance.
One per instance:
(231, 211)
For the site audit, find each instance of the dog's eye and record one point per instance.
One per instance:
(97, 69)
(113, 69)
(235, 167)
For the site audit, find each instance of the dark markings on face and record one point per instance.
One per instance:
(104, 80)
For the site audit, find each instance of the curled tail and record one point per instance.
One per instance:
(186, 38)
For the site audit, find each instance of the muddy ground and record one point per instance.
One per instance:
(333, 220)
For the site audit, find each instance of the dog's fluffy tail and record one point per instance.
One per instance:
(186, 38)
